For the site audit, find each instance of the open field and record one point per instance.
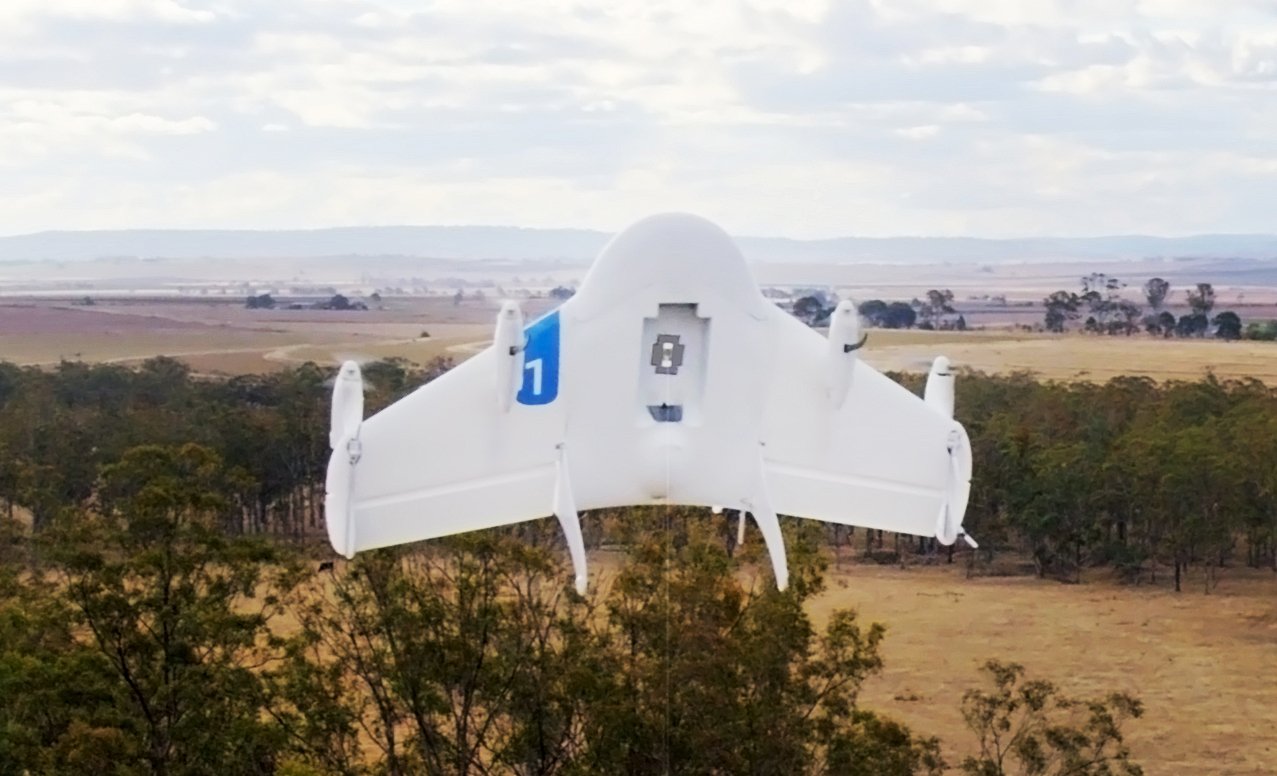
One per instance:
(226, 338)
(1081, 357)
(1204, 665)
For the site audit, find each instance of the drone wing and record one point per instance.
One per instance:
(878, 457)
(455, 455)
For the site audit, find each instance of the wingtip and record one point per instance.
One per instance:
(581, 585)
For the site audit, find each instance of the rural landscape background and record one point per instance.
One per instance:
(169, 603)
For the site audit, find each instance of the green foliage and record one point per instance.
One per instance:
(1227, 325)
(1110, 314)
(1130, 473)
(810, 309)
(57, 427)
(1030, 728)
(1201, 299)
(1061, 307)
(1264, 331)
(139, 635)
(168, 604)
(893, 315)
(476, 654)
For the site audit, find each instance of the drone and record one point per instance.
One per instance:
(668, 378)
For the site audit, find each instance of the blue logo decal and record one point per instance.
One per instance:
(541, 362)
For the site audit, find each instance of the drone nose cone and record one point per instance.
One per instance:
(350, 370)
(679, 255)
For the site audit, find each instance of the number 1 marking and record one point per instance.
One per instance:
(535, 366)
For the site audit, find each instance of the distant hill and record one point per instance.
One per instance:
(488, 242)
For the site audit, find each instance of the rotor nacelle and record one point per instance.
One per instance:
(938, 393)
(348, 404)
(343, 438)
(508, 342)
(845, 341)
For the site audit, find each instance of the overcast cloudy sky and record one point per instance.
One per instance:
(778, 117)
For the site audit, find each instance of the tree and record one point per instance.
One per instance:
(1155, 291)
(561, 292)
(1061, 307)
(166, 601)
(1162, 324)
(899, 315)
(1126, 315)
(939, 303)
(1201, 299)
(1264, 331)
(1195, 325)
(476, 655)
(1031, 728)
(338, 302)
(260, 302)
(1110, 314)
(809, 309)
(1228, 325)
(874, 311)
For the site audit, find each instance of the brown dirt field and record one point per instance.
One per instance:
(1204, 665)
(222, 338)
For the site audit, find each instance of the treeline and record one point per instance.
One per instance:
(1131, 475)
(59, 426)
(138, 637)
(1099, 307)
(1109, 311)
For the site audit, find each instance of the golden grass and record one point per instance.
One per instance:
(1204, 665)
(52, 347)
(1077, 357)
(229, 339)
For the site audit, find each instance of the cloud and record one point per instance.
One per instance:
(811, 118)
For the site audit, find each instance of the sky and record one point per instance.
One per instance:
(801, 118)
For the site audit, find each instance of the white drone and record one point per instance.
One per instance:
(667, 379)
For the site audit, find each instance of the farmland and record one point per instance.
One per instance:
(226, 338)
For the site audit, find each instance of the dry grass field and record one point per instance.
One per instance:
(1077, 357)
(1204, 665)
(226, 338)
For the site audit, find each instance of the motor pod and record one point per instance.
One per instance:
(845, 341)
(957, 489)
(939, 391)
(343, 438)
(348, 404)
(508, 343)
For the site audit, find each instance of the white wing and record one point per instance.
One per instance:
(445, 460)
(881, 460)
